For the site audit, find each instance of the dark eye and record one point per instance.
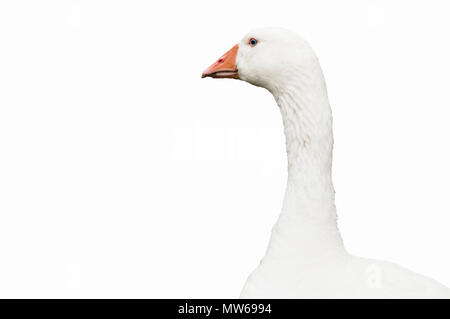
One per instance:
(252, 42)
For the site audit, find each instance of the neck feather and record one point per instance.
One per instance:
(308, 217)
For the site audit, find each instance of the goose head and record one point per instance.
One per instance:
(265, 57)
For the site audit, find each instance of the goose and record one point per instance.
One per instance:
(306, 257)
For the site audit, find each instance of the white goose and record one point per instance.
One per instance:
(306, 257)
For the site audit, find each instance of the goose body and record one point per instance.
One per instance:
(306, 257)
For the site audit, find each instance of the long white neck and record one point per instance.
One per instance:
(307, 225)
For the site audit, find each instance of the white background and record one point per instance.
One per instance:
(124, 174)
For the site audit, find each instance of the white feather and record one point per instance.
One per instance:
(306, 257)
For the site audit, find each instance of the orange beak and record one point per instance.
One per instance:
(225, 67)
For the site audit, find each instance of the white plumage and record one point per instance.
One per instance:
(306, 257)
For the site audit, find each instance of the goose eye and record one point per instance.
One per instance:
(252, 42)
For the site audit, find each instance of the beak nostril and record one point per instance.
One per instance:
(224, 66)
